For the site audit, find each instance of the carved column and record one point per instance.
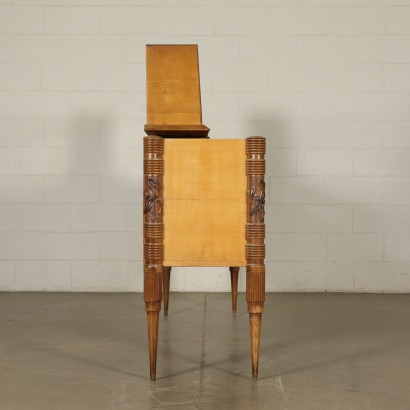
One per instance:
(153, 245)
(255, 246)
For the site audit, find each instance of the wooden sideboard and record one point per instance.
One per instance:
(203, 198)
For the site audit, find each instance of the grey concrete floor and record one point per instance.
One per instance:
(318, 351)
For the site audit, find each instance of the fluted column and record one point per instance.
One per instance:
(255, 245)
(153, 243)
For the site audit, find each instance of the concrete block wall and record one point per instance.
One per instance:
(326, 81)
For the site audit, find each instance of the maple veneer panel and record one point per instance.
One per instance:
(204, 202)
(173, 88)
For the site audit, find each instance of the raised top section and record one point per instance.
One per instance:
(173, 91)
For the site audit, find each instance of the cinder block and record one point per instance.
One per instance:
(382, 277)
(6, 218)
(121, 77)
(398, 20)
(357, 20)
(99, 104)
(297, 246)
(136, 277)
(242, 21)
(355, 247)
(310, 276)
(104, 49)
(268, 49)
(42, 218)
(218, 106)
(354, 134)
(73, 132)
(22, 245)
(267, 106)
(21, 20)
(43, 275)
(368, 49)
(396, 277)
(239, 78)
(324, 218)
(99, 161)
(70, 77)
(381, 106)
(325, 49)
(397, 77)
(21, 189)
(121, 245)
(297, 77)
(353, 190)
(325, 162)
(280, 161)
(41, 161)
(72, 20)
(396, 49)
(122, 133)
(396, 190)
(324, 106)
(129, 20)
(134, 219)
(382, 219)
(239, 129)
(281, 218)
(41, 105)
(354, 77)
(71, 189)
(99, 217)
(298, 190)
(397, 247)
(382, 162)
(67, 246)
(6, 105)
(187, 21)
(6, 49)
(298, 133)
(6, 275)
(42, 48)
(21, 132)
(121, 189)
(396, 134)
(300, 20)
(100, 275)
(6, 161)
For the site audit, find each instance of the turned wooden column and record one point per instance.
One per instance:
(255, 246)
(153, 240)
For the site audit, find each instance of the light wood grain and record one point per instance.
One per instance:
(204, 202)
(173, 91)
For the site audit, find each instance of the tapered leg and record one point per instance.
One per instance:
(166, 277)
(234, 287)
(153, 244)
(255, 246)
(255, 320)
(153, 319)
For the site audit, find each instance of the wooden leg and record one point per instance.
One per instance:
(255, 242)
(153, 319)
(255, 320)
(234, 287)
(166, 279)
(153, 243)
